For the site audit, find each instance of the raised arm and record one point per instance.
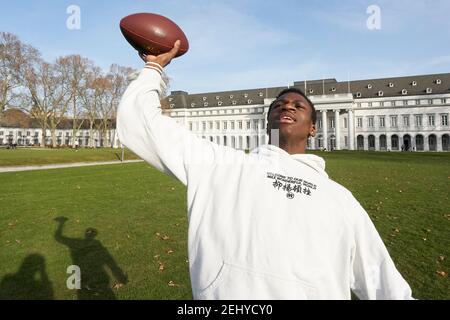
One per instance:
(156, 138)
(374, 275)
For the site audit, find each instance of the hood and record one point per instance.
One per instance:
(315, 162)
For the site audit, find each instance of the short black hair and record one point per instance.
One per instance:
(297, 91)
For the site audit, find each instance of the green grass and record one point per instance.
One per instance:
(40, 156)
(406, 195)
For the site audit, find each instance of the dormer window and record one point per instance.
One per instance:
(233, 102)
(172, 105)
(219, 103)
(414, 83)
(204, 98)
(358, 95)
(260, 94)
(193, 105)
(438, 81)
(429, 90)
(404, 92)
(333, 89)
(380, 93)
(311, 91)
(170, 99)
(369, 86)
(217, 97)
(249, 101)
(245, 95)
(205, 104)
(231, 96)
(391, 85)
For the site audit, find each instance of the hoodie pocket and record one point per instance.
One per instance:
(235, 282)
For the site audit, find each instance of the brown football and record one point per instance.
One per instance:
(152, 33)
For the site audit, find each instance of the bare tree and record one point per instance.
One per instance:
(39, 84)
(115, 83)
(79, 74)
(61, 94)
(14, 55)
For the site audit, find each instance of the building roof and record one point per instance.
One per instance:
(360, 89)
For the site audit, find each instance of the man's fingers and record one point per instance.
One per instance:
(175, 48)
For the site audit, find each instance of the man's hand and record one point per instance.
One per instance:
(163, 59)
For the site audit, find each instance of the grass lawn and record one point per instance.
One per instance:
(39, 156)
(140, 219)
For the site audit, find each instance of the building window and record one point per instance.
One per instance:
(205, 104)
(232, 125)
(382, 122)
(406, 121)
(319, 123)
(331, 121)
(418, 118)
(256, 124)
(190, 126)
(210, 125)
(345, 123)
(240, 125)
(370, 122)
(28, 133)
(418, 102)
(225, 125)
(204, 125)
(248, 125)
(381, 103)
(370, 104)
(346, 141)
(1, 133)
(394, 121)
(218, 125)
(359, 122)
(431, 120)
(442, 101)
(444, 120)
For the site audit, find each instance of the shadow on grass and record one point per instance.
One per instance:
(29, 283)
(93, 259)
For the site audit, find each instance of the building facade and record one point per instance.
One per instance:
(18, 128)
(390, 114)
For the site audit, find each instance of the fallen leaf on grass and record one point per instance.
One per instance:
(118, 285)
(169, 251)
(172, 284)
(442, 273)
(441, 258)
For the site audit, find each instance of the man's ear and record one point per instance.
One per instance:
(312, 130)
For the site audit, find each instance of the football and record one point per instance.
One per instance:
(153, 34)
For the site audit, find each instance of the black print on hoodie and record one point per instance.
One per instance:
(291, 185)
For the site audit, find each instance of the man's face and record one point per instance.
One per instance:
(291, 114)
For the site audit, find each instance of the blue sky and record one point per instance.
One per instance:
(244, 44)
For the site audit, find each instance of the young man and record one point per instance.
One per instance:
(267, 225)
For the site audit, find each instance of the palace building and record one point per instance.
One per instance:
(390, 114)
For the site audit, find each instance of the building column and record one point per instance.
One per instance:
(377, 142)
(438, 143)
(324, 129)
(337, 129)
(313, 143)
(351, 130)
(426, 145)
(388, 143)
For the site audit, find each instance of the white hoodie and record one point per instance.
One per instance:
(264, 225)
